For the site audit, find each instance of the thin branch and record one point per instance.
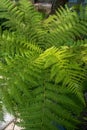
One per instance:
(14, 126)
(6, 125)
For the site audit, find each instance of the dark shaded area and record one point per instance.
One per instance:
(1, 24)
(57, 4)
(83, 119)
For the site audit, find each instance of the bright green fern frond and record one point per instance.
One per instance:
(12, 45)
(63, 69)
(12, 15)
(51, 84)
(44, 89)
(23, 19)
(64, 27)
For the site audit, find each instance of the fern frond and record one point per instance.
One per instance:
(12, 45)
(63, 69)
(43, 88)
(11, 13)
(64, 27)
(23, 19)
(52, 99)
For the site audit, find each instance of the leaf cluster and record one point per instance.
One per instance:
(43, 64)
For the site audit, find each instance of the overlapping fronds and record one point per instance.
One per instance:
(10, 12)
(63, 28)
(66, 26)
(62, 65)
(12, 44)
(43, 88)
(23, 19)
(51, 85)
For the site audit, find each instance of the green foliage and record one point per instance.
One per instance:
(1, 112)
(42, 81)
(23, 20)
(66, 26)
(35, 88)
